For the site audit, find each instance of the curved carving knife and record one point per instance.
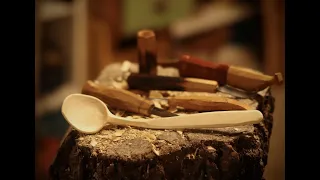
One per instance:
(123, 99)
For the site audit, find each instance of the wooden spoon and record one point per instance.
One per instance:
(89, 115)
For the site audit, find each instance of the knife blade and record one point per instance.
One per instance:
(123, 99)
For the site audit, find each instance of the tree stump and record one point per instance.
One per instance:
(132, 153)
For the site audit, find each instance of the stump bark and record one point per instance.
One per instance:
(131, 153)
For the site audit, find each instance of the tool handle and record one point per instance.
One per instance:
(194, 67)
(147, 51)
(207, 103)
(238, 77)
(118, 98)
(250, 80)
(154, 82)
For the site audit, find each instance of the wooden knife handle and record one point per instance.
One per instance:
(118, 98)
(147, 51)
(238, 77)
(194, 67)
(207, 103)
(154, 82)
(250, 80)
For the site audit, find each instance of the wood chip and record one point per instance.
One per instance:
(93, 142)
(150, 137)
(119, 132)
(210, 148)
(180, 132)
(120, 113)
(117, 139)
(154, 150)
(125, 66)
(157, 104)
(155, 94)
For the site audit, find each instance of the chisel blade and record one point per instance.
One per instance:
(161, 112)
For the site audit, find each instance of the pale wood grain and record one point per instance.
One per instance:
(200, 85)
(250, 80)
(205, 103)
(118, 98)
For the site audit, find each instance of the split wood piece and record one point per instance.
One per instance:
(238, 77)
(147, 52)
(152, 82)
(205, 103)
(130, 153)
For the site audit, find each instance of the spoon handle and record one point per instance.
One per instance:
(118, 98)
(218, 119)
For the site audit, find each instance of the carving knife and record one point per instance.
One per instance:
(153, 82)
(123, 99)
(146, 82)
(205, 103)
(238, 77)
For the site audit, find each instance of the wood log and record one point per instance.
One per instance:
(130, 153)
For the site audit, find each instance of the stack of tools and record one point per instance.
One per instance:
(196, 75)
(211, 121)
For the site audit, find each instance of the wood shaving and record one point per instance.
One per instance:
(180, 132)
(155, 150)
(120, 85)
(210, 148)
(195, 152)
(157, 104)
(173, 109)
(150, 137)
(120, 113)
(136, 117)
(93, 142)
(125, 66)
(190, 156)
(104, 136)
(155, 94)
(119, 132)
(164, 103)
(116, 139)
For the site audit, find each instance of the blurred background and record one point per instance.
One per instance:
(76, 39)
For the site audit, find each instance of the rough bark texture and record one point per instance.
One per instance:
(129, 153)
